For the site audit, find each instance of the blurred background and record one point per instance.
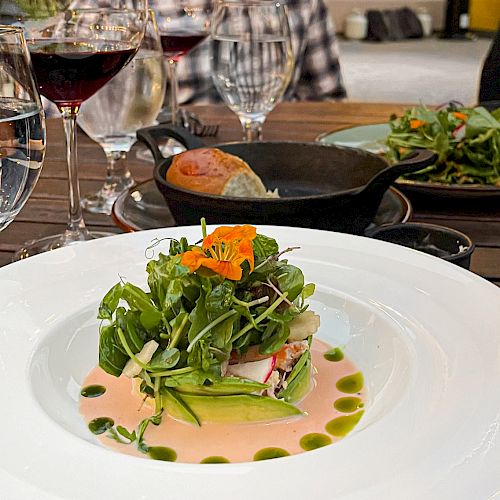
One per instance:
(444, 64)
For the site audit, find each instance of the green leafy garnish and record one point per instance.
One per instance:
(198, 311)
(467, 141)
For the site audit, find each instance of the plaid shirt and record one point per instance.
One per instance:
(317, 73)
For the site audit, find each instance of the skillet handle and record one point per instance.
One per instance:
(414, 162)
(150, 136)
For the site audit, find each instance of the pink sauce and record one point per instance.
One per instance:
(236, 442)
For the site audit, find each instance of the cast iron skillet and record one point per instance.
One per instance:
(320, 186)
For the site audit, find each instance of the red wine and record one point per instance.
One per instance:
(177, 44)
(67, 73)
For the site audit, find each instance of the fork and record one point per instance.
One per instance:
(191, 121)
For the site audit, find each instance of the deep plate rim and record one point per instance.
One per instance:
(365, 266)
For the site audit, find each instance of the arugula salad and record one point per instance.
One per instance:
(222, 334)
(467, 141)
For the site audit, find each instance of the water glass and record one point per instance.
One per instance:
(252, 59)
(22, 125)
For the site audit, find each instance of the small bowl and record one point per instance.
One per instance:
(443, 242)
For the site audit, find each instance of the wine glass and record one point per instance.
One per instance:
(129, 101)
(184, 24)
(252, 59)
(74, 52)
(22, 125)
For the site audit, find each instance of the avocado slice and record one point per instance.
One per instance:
(300, 381)
(227, 386)
(229, 409)
(176, 406)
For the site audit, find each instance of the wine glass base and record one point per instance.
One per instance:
(35, 247)
(102, 201)
(97, 204)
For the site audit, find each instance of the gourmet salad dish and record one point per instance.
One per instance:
(226, 318)
(221, 336)
(467, 141)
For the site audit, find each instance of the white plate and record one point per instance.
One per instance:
(372, 138)
(368, 137)
(425, 333)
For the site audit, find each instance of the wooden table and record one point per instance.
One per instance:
(45, 212)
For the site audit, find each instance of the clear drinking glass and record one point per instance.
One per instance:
(111, 117)
(74, 52)
(22, 125)
(183, 25)
(252, 59)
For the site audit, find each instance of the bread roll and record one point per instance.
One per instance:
(210, 170)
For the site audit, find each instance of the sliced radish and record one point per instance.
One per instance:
(459, 132)
(132, 369)
(258, 371)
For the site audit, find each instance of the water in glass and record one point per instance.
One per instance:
(252, 59)
(22, 146)
(130, 101)
(251, 74)
(22, 126)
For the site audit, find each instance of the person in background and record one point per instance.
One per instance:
(317, 74)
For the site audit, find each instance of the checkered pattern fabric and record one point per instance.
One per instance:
(317, 74)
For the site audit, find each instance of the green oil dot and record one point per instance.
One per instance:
(215, 460)
(348, 405)
(101, 425)
(341, 426)
(93, 391)
(314, 440)
(162, 453)
(351, 384)
(268, 453)
(334, 354)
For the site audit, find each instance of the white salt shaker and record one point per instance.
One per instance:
(356, 25)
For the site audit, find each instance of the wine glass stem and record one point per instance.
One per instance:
(75, 230)
(252, 129)
(117, 172)
(174, 105)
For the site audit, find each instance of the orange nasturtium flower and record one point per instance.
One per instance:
(414, 123)
(460, 116)
(223, 251)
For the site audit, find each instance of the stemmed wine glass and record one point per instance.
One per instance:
(22, 125)
(252, 59)
(183, 25)
(111, 117)
(74, 52)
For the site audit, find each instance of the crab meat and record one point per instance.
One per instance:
(258, 371)
(286, 356)
(273, 382)
(132, 369)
